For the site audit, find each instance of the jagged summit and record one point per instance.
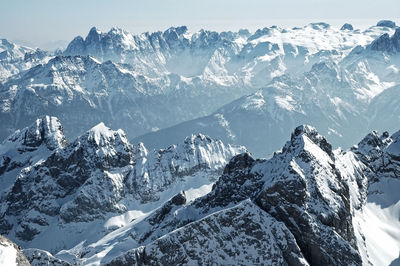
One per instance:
(94, 31)
(46, 130)
(311, 134)
(102, 135)
(372, 144)
(99, 196)
(179, 30)
(385, 43)
(11, 53)
(28, 146)
(5, 43)
(300, 187)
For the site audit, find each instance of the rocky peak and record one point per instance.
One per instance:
(304, 181)
(259, 33)
(305, 132)
(195, 140)
(174, 37)
(93, 36)
(239, 162)
(7, 44)
(46, 130)
(28, 146)
(100, 146)
(323, 73)
(385, 43)
(308, 195)
(103, 136)
(101, 173)
(76, 46)
(372, 147)
(178, 30)
(140, 151)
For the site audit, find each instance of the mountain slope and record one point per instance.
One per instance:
(254, 237)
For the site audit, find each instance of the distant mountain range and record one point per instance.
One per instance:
(333, 79)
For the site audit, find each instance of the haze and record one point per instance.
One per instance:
(46, 22)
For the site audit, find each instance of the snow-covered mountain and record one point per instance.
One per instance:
(16, 58)
(160, 79)
(100, 200)
(27, 147)
(326, 207)
(108, 202)
(307, 205)
(343, 99)
(98, 182)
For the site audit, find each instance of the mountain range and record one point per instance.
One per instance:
(104, 201)
(337, 80)
(206, 147)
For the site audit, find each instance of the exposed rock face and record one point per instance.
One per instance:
(385, 43)
(11, 254)
(334, 97)
(254, 237)
(310, 196)
(39, 257)
(15, 58)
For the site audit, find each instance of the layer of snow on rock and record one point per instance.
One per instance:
(8, 254)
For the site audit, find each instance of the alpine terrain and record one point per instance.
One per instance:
(265, 147)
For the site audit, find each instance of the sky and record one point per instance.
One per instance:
(46, 22)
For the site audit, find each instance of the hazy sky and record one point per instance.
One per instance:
(42, 21)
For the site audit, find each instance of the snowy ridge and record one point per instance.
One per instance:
(100, 178)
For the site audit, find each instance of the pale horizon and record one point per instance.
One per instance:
(44, 22)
